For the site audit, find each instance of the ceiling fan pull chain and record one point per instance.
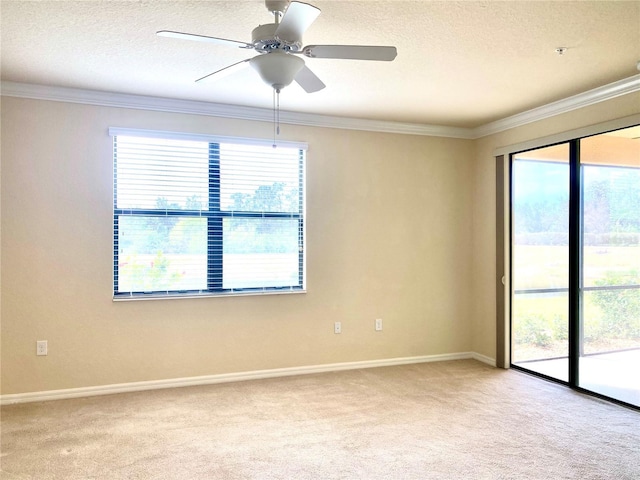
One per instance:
(274, 118)
(276, 114)
(278, 111)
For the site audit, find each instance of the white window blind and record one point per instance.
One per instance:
(200, 215)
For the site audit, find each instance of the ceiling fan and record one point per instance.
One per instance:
(280, 46)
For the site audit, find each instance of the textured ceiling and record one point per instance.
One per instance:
(459, 64)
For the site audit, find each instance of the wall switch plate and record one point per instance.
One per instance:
(337, 327)
(378, 324)
(41, 347)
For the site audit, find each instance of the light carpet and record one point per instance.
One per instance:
(447, 420)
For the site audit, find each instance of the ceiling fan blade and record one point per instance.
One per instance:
(309, 80)
(351, 52)
(223, 72)
(203, 38)
(298, 17)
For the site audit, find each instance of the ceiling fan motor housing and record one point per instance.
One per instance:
(265, 40)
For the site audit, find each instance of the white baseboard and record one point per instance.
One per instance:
(230, 377)
(483, 359)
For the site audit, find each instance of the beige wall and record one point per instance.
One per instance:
(484, 274)
(400, 227)
(389, 235)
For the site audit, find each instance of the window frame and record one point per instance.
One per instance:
(215, 216)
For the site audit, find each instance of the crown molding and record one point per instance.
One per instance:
(160, 104)
(590, 97)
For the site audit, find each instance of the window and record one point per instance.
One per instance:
(198, 215)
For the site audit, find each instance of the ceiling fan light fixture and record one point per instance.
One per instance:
(277, 69)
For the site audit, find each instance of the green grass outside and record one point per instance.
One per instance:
(540, 322)
(543, 266)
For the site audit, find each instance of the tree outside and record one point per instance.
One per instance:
(160, 252)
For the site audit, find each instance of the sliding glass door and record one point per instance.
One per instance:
(575, 262)
(540, 260)
(609, 361)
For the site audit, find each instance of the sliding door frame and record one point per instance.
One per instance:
(503, 289)
(575, 260)
(503, 245)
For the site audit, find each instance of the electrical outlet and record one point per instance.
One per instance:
(41, 347)
(337, 327)
(378, 324)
